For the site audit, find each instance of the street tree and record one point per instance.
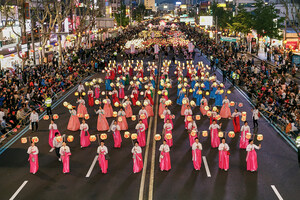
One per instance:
(292, 14)
(120, 16)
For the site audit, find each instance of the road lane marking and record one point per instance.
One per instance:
(206, 166)
(151, 180)
(19, 190)
(92, 167)
(276, 192)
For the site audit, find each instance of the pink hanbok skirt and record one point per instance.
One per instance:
(142, 138)
(74, 123)
(165, 161)
(161, 109)
(223, 160)
(202, 110)
(145, 122)
(215, 141)
(108, 110)
(192, 139)
(34, 163)
(243, 140)
(197, 159)
(236, 124)
(97, 93)
(102, 124)
(66, 162)
(168, 117)
(137, 162)
(225, 111)
(123, 124)
(82, 109)
(84, 139)
(117, 139)
(149, 110)
(128, 111)
(121, 93)
(169, 141)
(103, 163)
(252, 161)
(51, 136)
(183, 108)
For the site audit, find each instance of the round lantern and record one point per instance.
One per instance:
(97, 102)
(138, 103)
(193, 103)
(145, 103)
(103, 93)
(83, 93)
(133, 117)
(157, 137)
(206, 108)
(86, 116)
(189, 118)
(184, 101)
(228, 92)
(65, 104)
(248, 136)
(24, 140)
(260, 137)
(70, 138)
(112, 84)
(218, 117)
(133, 136)
(162, 116)
(70, 107)
(76, 93)
(116, 104)
(240, 105)
(120, 119)
(168, 136)
(143, 116)
(244, 114)
(215, 108)
(193, 133)
(243, 119)
(221, 85)
(198, 117)
(46, 117)
(207, 93)
(18, 126)
(231, 134)
(80, 115)
(204, 133)
(232, 103)
(87, 84)
(159, 92)
(93, 138)
(202, 85)
(199, 92)
(190, 90)
(115, 114)
(35, 139)
(208, 113)
(221, 134)
(59, 139)
(15, 130)
(126, 134)
(103, 136)
(104, 101)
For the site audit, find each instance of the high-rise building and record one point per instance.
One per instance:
(149, 4)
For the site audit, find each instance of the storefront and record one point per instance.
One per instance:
(292, 40)
(9, 58)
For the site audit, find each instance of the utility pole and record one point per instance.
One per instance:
(216, 29)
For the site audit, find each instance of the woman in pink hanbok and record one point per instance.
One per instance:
(102, 124)
(252, 156)
(223, 155)
(148, 107)
(144, 116)
(52, 130)
(196, 154)
(102, 151)
(122, 121)
(65, 153)
(84, 135)
(140, 128)
(187, 113)
(164, 158)
(128, 109)
(33, 159)
(168, 127)
(203, 103)
(81, 110)
(243, 140)
(162, 106)
(121, 91)
(192, 129)
(185, 104)
(74, 123)
(97, 91)
(214, 136)
(91, 97)
(137, 158)
(107, 107)
(115, 128)
(225, 110)
(167, 115)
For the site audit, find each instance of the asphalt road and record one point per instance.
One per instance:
(277, 164)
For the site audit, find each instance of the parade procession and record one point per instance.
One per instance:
(155, 120)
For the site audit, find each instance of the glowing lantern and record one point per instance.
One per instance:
(207, 93)
(115, 114)
(193, 103)
(208, 113)
(83, 94)
(59, 139)
(162, 116)
(97, 102)
(248, 136)
(190, 90)
(228, 92)
(55, 116)
(1, 56)
(120, 119)
(104, 101)
(260, 137)
(80, 115)
(133, 117)
(232, 103)
(184, 101)
(35, 139)
(204, 133)
(168, 136)
(218, 117)
(65, 104)
(15, 130)
(133, 136)
(240, 105)
(206, 108)
(202, 85)
(12, 55)
(87, 84)
(198, 117)
(46, 117)
(159, 92)
(189, 118)
(103, 136)
(18, 126)
(76, 93)
(157, 137)
(143, 116)
(24, 140)
(69, 106)
(221, 91)
(70, 138)
(116, 104)
(126, 134)
(221, 85)
(193, 133)
(145, 103)
(221, 134)
(215, 108)
(231, 134)
(103, 93)
(93, 138)
(138, 103)
(86, 116)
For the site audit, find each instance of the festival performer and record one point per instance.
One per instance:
(252, 156)
(84, 135)
(107, 82)
(102, 151)
(236, 120)
(121, 91)
(187, 113)
(218, 101)
(122, 122)
(81, 109)
(196, 154)
(167, 115)
(115, 128)
(162, 105)
(225, 110)
(185, 104)
(213, 117)
(203, 104)
(65, 157)
(243, 140)
(102, 124)
(192, 127)
(148, 95)
(214, 127)
(140, 128)
(74, 123)
(115, 96)
(127, 106)
(223, 155)
(97, 91)
(181, 95)
(107, 107)
(164, 158)
(91, 97)
(33, 159)
(213, 91)
(165, 93)
(80, 88)
(112, 74)
(52, 130)
(168, 127)
(206, 83)
(144, 116)
(199, 97)
(134, 96)
(57, 143)
(148, 107)
(137, 158)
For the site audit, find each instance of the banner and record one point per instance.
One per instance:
(206, 20)
(156, 49)
(191, 47)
